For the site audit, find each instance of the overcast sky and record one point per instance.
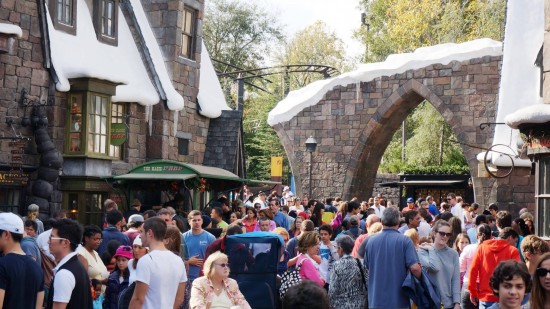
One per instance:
(342, 16)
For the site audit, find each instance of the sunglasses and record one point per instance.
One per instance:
(443, 234)
(223, 265)
(542, 272)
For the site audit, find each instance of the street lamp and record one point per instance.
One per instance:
(311, 144)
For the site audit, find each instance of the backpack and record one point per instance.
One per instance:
(47, 264)
(290, 278)
(125, 296)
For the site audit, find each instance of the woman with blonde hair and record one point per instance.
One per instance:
(215, 289)
(32, 214)
(413, 235)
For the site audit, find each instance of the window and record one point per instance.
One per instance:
(183, 146)
(543, 197)
(188, 36)
(97, 124)
(63, 14)
(89, 118)
(105, 20)
(117, 116)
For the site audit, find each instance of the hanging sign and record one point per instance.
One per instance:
(119, 134)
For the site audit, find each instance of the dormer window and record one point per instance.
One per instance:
(106, 20)
(63, 14)
(188, 33)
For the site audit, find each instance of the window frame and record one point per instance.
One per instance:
(120, 119)
(192, 35)
(99, 19)
(53, 6)
(90, 136)
(542, 196)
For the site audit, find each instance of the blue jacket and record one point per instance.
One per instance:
(114, 287)
(423, 292)
(110, 233)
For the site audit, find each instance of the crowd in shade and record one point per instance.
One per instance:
(332, 254)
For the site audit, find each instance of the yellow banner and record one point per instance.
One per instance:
(276, 166)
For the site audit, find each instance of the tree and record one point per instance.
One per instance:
(316, 44)
(239, 33)
(398, 26)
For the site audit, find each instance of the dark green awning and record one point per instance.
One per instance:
(172, 170)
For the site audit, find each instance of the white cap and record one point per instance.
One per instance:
(137, 241)
(11, 222)
(286, 188)
(135, 218)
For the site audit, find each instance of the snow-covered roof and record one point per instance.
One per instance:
(82, 55)
(310, 95)
(174, 99)
(537, 113)
(210, 97)
(11, 29)
(520, 77)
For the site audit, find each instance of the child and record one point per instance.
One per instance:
(119, 278)
(97, 296)
(510, 282)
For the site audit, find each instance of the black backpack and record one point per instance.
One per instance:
(125, 296)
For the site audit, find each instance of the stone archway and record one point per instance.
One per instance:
(354, 123)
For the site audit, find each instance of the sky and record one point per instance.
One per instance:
(342, 16)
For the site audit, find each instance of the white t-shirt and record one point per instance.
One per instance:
(162, 271)
(132, 270)
(64, 282)
(424, 229)
(458, 212)
(42, 242)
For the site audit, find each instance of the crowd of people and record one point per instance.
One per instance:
(347, 254)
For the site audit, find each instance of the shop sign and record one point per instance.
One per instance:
(14, 178)
(119, 134)
(161, 168)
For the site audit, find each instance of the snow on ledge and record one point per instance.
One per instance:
(538, 113)
(211, 98)
(310, 95)
(11, 29)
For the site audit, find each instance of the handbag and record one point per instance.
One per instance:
(290, 278)
(47, 265)
(366, 305)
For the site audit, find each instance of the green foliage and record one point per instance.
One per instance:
(427, 131)
(261, 142)
(398, 26)
(316, 44)
(239, 33)
(435, 170)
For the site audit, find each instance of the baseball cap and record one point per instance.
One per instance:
(286, 188)
(205, 221)
(353, 220)
(135, 218)
(410, 200)
(124, 251)
(11, 222)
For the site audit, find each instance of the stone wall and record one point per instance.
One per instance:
(166, 17)
(353, 132)
(388, 193)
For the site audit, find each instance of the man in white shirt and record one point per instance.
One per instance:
(71, 285)
(378, 209)
(161, 277)
(456, 208)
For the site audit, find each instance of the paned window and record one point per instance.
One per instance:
(543, 197)
(118, 113)
(97, 124)
(63, 15)
(188, 33)
(108, 18)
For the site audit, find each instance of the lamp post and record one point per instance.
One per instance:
(311, 144)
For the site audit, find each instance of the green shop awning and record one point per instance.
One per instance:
(172, 170)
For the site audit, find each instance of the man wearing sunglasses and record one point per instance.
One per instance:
(70, 287)
(21, 279)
